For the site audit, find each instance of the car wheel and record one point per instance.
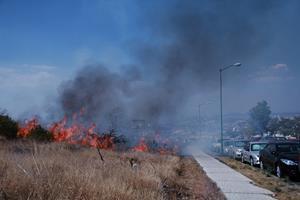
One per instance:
(251, 162)
(278, 171)
(261, 164)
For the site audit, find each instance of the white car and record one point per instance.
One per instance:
(235, 149)
(250, 153)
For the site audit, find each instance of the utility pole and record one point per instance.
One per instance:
(221, 99)
(221, 111)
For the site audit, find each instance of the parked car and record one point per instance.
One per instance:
(271, 138)
(250, 153)
(281, 158)
(227, 144)
(235, 149)
(216, 146)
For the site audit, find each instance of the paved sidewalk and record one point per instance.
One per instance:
(234, 185)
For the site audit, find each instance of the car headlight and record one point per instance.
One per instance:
(288, 162)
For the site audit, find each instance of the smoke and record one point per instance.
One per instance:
(96, 90)
(190, 41)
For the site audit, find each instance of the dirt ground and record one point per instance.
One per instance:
(284, 189)
(30, 170)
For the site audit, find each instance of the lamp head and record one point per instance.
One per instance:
(237, 64)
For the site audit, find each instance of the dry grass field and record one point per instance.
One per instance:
(284, 189)
(30, 170)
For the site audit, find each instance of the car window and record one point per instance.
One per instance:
(271, 147)
(227, 143)
(240, 144)
(280, 138)
(288, 148)
(267, 147)
(257, 147)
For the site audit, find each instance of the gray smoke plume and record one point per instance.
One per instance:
(190, 41)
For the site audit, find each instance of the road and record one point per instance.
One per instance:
(234, 185)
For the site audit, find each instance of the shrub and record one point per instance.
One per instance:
(41, 134)
(8, 127)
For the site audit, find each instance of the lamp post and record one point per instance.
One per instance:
(221, 98)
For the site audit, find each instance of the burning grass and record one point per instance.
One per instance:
(30, 170)
(73, 131)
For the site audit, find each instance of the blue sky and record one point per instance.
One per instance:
(58, 32)
(43, 43)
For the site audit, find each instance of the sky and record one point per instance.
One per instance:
(43, 44)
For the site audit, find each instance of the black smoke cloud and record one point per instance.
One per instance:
(190, 41)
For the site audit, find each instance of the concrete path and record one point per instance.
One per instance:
(234, 185)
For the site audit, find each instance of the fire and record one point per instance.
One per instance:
(77, 133)
(156, 145)
(72, 131)
(141, 147)
(28, 127)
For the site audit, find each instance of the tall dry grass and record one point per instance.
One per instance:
(55, 171)
(59, 171)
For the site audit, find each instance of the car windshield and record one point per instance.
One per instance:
(257, 147)
(227, 143)
(288, 148)
(240, 143)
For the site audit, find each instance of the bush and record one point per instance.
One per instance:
(8, 127)
(41, 134)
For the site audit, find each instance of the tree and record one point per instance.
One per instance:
(41, 134)
(274, 125)
(8, 127)
(248, 131)
(287, 126)
(297, 127)
(260, 116)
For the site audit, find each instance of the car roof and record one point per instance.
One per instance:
(259, 142)
(240, 140)
(272, 140)
(283, 142)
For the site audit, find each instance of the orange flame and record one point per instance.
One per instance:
(157, 145)
(28, 127)
(141, 147)
(73, 132)
(79, 134)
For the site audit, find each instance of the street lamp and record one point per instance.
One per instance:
(221, 97)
